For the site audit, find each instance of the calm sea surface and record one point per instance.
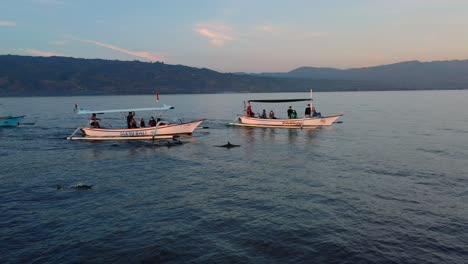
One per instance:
(388, 185)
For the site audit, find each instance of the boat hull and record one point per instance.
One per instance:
(10, 121)
(287, 123)
(143, 133)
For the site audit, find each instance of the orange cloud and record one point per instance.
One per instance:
(7, 24)
(217, 33)
(141, 54)
(42, 53)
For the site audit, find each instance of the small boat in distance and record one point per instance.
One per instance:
(310, 121)
(161, 130)
(10, 121)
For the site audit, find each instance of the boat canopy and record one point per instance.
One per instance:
(162, 108)
(278, 100)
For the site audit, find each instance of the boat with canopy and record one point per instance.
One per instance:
(250, 120)
(161, 130)
(10, 121)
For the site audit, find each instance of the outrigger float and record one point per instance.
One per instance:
(162, 130)
(10, 121)
(304, 122)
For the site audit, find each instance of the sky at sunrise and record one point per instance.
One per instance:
(239, 36)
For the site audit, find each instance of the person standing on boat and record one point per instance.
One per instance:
(290, 111)
(152, 122)
(131, 123)
(249, 111)
(263, 115)
(94, 121)
(307, 111)
(129, 119)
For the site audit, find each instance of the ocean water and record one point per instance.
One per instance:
(388, 185)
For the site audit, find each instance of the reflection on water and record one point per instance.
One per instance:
(292, 135)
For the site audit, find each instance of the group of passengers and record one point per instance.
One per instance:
(309, 112)
(263, 115)
(292, 114)
(131, 123)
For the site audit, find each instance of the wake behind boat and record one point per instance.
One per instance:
(311, 119)
(156, 130)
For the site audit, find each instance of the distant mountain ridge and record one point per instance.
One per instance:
(56, 76)
(403, 75)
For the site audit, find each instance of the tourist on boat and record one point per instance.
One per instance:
(249, 111)
(129, 119)
(161, 123)
(94, 121)
(152, 122)
(263, 115)
(272, 115)
(142, 122)
(307, 111)
(315, 113)
(294, 114)
(290, 111)
(131, 123)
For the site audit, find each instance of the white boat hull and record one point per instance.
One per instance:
(287, 123)
(143, 133)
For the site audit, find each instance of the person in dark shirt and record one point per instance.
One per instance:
(152, 122)
(161, 123)
(94, 121)
(290, 111)
(129, 119)
(307, 111)
(263, 115)
(142, 122)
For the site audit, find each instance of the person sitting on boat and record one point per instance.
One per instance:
(307, 111)
(161, 123)
(290, 111)
(94, 121)
(142, 122)
(263, 115)
(152, 122)
(315, 113)
(249, 111)
(272, 115)
(294, 114)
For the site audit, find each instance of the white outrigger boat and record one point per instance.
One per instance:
(162, 130)
(304, 122)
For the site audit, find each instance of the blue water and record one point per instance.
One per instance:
(388, 185)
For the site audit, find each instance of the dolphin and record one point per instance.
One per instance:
(76, 187)
(228, 145)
